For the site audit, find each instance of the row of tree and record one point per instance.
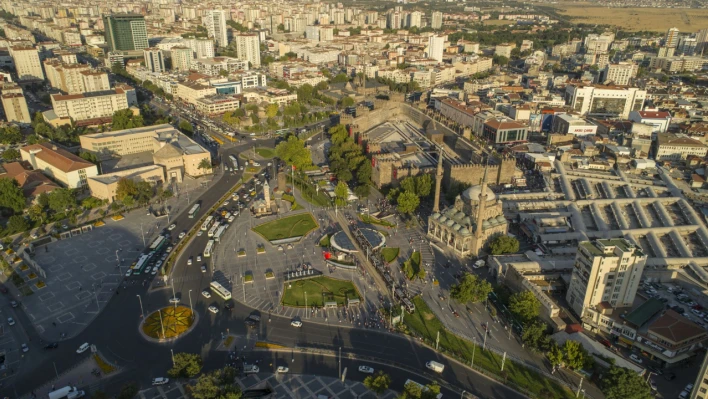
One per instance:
(348, 162)
(409, 192)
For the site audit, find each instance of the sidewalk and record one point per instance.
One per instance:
(80, 376)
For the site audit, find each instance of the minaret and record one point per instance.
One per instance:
(266, 194)
(481, 208)
(438, 180)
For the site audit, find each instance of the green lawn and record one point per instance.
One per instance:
(324, 242)
(372, 220)
(265, 152)
(411, 267)
(319, 290)
(292, 226)
(424, 323)
(389, 254)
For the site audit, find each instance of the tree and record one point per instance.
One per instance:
(186, 365)
(574, 355)
(341, 192)
(500, 60)
(37, 213)
(186, 127)
(143, 192)
(10, 135)
(524, 306)
(504, 244)
(470, 289)
(555, 355)
(408, 202)
(17, 223)
(204, 388)
(347, 101)
(125, 119)
(62, 200)
(408, 184)
(165, 194)
(622, 383)
(363, 173)
(293, 151)
(224, 73)
(535, 337)
(11, 196)
(272, 110)
(11, 154)
(423, 185)
(204, 165)
(378, 383)
(88, 156)
(362, 190)
(128, 391)
(126, 188)
(340, 78)
(304, 92)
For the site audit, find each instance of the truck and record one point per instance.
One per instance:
(68, 392)
(435, 366)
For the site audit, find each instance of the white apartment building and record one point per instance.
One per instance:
(606, 273)
(607, 101)
(59, 164)
(678, 64)
(27, 63)
(659, 120)
(154, 61)
(15, 104)
(96, 105)
(503, 49)
(677, 147)
(94, 81)
(217, 104)
(436, 47)
(215, 23)
(415, 19)
(213, 66)
(619, 74)
(181, 58)
(248, 47)
(436, 20)
(189, 92)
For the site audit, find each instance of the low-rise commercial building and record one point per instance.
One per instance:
(104, 187)
(217, 104)
(673, 147)
(59, 164)
(501, 131)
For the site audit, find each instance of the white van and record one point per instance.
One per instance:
(435, 366)
(250, 369)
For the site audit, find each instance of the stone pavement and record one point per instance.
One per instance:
(79, 376)
(285, 386)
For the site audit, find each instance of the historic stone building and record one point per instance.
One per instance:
(468, 225)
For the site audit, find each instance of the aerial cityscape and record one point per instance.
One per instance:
(353, 199)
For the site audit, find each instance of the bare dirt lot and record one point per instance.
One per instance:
(636, 19)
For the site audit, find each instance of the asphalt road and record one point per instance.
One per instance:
(115, 332)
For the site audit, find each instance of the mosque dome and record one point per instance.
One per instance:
(467, 221)
(464, 231)
(472, 194)
(456, 227)
(486, 225)
(436, 215)
(449, 222)
(442, 219)
(501, 219)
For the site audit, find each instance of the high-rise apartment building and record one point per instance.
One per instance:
(93, 106)
(415, 19)
(154, 61)
(671, 38)
(700, 387)
(125, 32)
(27, 63)
(395, 20)
(436, 47)
(15, 104)
(701, 41)
(620, 73)
(181, 58)
(248, 48)
(215, 23)
(436, 20)
(606, 273)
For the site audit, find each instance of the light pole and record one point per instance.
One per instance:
(462, 395)
(340, 362)
(474, 347)
(142, 312)
(174, 298)
(307, 314)
(191, 309)
(579, 386)
(142, 233)
(173, 358)
(159, 312)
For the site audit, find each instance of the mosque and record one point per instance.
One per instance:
(468, 225)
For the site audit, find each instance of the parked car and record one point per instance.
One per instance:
(83, 348)
(10, 321)
(53, 345)
(366, 370)
(296, 323)
(160, 381)
(206, 294)
(213, 309)
(635, 358)
(282, 369)
(172, 227)
(25, 348)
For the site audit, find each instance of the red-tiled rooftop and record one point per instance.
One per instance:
(675, 328)
(57, 157)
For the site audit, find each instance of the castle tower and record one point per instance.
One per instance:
(480, 209)
(438, 181)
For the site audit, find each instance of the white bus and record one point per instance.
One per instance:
(141, 262)
(194, 210)
(234, 161)
(213, 229)
(157, 242)
(207, 223)
(422, 387)
(219, 232)
(209, 247)
(220, 290)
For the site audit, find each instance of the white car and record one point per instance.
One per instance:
(83, 348)
(160, 381)
(635, 358)
(282, 369)
(204, 269)
(366, 370)
(10, 321)
(172, 227)
(181, 235)
(231, 219)
(25, 348)
(154, 270)
(199, 258)
(226, 203)
(189, 261)
(296, 323)
(174, 300)
(213, 309)
(199, 233)
(129, 272)
(206, 294)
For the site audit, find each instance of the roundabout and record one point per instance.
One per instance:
(168, 323)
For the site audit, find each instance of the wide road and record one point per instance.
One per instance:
(115, 333)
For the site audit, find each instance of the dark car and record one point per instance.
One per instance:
(250, 323)
(53, 345)
(228, 305)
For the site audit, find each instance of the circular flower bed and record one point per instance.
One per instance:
(175, 321)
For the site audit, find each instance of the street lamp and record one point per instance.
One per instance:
(174, 298)
(173, 358)
(462, 395)
(142, 312)
(191, 309)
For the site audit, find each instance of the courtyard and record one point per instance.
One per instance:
(289, 227)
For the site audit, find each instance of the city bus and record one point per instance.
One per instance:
(234, 161)
(213, 229)
(220, 290)
(209, 248)
(219, 232)
(194, 210)
(157, 242)
(422, 387)
(141, 262)
(207, 223)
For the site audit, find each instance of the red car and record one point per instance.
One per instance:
(606, 343)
